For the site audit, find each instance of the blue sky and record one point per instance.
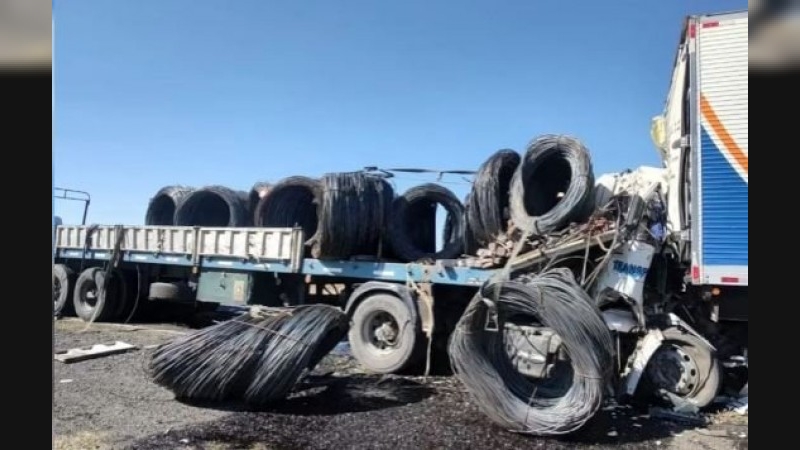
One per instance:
(155, 92)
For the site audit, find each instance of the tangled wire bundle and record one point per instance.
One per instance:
(414, 212)
(214, 206)
(553, 185)
(257, 359)
(162, 207)
(355, 207)
(487, 207)
(479, 359)
(294, 201)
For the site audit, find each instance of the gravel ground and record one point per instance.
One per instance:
(109, 402)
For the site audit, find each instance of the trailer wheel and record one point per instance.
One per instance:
(382, 336)
(119, 288)
(89, 304)
(684, 366)
(63, 282)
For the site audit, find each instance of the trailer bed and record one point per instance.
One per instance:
(276, 250)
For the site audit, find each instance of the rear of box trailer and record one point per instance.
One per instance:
(718, 61)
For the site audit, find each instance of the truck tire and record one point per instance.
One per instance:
(684, 366)
(63, 283)
(90, 306)
(382, 336)
(120, 291)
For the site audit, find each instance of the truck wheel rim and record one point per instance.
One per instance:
(675, 370)
(91, 297)
(382, 331)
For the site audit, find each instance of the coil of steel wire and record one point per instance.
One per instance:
(162, 207)
(553, 185)
(487, 206)
(293, 201)
(353, 214)
(534, 406)
(214, 206)
(414, 209)
(257, 359)
(258, 191)
(300, 341)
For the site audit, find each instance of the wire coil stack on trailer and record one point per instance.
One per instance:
(553, 185)
(352, 219)
(293, 201)
(487, 204)
(214, 206)
(162, 207)
(479, 359)
(409, 212)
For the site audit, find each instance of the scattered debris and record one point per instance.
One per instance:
(679, 417)
(711, 432)
(735, 404)
(743, 408)
(95, 351)
(613, 433)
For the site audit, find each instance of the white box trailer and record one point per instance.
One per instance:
(703, 138)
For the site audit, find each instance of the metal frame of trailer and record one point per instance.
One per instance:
(276, 250)
(247, 266)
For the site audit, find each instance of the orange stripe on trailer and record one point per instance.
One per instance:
(722, 133)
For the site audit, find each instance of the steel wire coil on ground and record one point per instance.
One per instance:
(411, 209)
(293, 201)
(541, 407)
(161, 208)
(257, 192)
(302, 338)
(254, 358)
(214, 206)
(488, 202)
(353, 214)
(553, 185)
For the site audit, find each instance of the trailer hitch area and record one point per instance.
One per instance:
(534, 351)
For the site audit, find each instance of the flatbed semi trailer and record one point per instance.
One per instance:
(268, 266)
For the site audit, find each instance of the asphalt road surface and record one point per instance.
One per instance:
(109, 402)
